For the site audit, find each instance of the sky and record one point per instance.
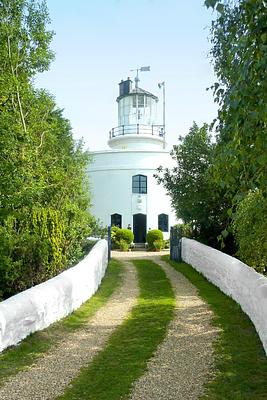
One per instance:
(98, 42)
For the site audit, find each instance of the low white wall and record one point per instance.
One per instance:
(236, 279)
(38, 307)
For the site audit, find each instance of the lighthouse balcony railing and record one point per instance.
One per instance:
(139, 129)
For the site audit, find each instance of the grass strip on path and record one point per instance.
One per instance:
(111, 374)
(240, 361)
(37, 344)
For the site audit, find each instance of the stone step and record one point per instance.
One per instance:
(139, 246)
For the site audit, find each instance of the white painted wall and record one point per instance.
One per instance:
(110, 177)
(236, 279)
(140, 141)
(38, 307)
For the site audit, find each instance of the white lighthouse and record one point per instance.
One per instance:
(124, 189)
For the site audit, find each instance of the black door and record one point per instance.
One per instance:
(139, 228)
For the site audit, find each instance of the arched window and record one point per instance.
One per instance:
(116, 220)
(139, 184)
(163, 222)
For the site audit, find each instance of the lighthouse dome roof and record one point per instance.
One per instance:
(136, 91)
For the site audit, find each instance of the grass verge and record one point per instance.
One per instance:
(124, 359)
(26, 353)
(240, 361)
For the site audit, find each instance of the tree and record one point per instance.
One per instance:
(24, 50)
(239, 52)
(44, 215)
(193, 194)
(44, 195)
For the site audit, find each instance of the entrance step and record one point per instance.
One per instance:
(139, 246)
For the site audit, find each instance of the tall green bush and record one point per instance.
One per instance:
(44, 194)
(35, 246)
(250, 228)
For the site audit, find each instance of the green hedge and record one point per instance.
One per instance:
(250, 230)
(39, 244)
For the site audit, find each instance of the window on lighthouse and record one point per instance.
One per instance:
(116, 220)
(139, 184)
(163, 222)
(141, 100)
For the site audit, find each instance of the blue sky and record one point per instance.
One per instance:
(98, 42)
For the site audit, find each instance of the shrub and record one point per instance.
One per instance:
(152, 236)
(250, 230)
(158, 244)
(183, 230)
(166, 244)
(126, 235)
(124, 246)
(38, 243)
(118, 234)
(114, 237)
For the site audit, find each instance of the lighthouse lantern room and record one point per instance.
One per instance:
(137, 119)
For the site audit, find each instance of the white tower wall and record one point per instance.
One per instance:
(111, 180)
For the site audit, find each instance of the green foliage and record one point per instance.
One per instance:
(31, 250)
(44, 199)
(36, 245)
(210, 180)
(97, 228)
(123, 245)
(250, 230)
(119, 235)
(197, 200)
(158, 244)
(166, 244)
(239, 51)
(152, 236)
(126, 235)
(183, 230)
(240, 62)
(114, 240)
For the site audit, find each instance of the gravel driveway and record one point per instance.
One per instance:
(181, 366)
(52, 373)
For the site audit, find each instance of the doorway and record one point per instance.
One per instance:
(139, 228)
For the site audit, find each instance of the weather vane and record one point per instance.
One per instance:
(142, 69)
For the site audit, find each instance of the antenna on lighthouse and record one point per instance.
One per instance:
(142, 69)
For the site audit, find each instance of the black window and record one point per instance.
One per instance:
(163, 222)
(139, 184)
(116, 220)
